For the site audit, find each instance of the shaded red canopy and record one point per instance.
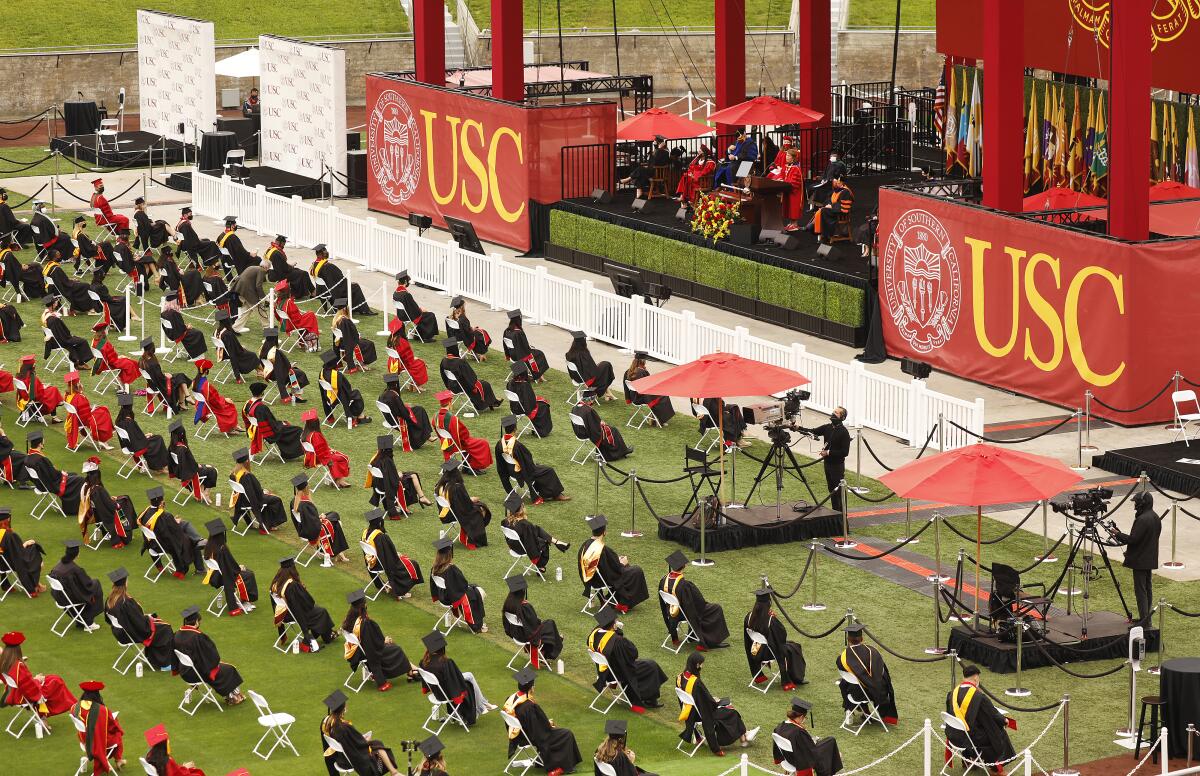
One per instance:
(1172, 190)
(981, 474)
(657, 121)
(718, 375)
(1060, 198)
(766, 111)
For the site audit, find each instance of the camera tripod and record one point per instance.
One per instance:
(1090, 534)
(773, 463)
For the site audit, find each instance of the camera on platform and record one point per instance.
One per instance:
(1090, 503)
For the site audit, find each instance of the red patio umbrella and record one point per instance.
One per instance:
(979, 475)
(1060, 198)
(656, 121)
(766, 111)
(1166, 190)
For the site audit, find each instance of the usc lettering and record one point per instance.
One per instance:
(480, 182)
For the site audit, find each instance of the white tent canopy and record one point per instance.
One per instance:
(243, 65)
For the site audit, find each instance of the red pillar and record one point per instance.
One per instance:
(730, 43)
(1129, 121)
(815, 53)
(429, 37)
(1003, 104)
(508, 61)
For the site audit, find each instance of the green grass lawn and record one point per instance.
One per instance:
(643, 14)
(221, 741)
(74, 178)
(882, 13)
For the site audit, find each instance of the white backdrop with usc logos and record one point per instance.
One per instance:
(303, 88)
(176, 75)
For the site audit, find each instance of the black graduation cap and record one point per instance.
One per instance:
(516, 584)
(442, 544)
(402, 276)
(190, 612)
(450, 345)
(288, 562)
(300, 481)
(606, 617)
(764, 592)
(854, 628)
(508, 422)
(969, 671)
(320, 248)
(222, 316)
(280, 239)
(457, 301)
(431, 747)
(354, 596)
(450, 466)
(373, 515)
(175, 425)
(185, 210)
(525, 677)
(434, 642)
(333, 517)
(124, 399)
(72, 544)
(230, 220)
(270, 332)
(258, 389)
(335, 701)
(513, 502)
(641, 355)
(241, 455)
(34, 438)
(339, 302)
(48, 299)
(171, 295)
(155, 492)
(385, 442)
(147, 344)
(616, 727)
(5, 513)
(329, 357)
(587, 394)
(215, 527)
(390, 378)
(82, 220)
(597, 523)
(578, 335)
(677, 560)
(514, 314)
(519, 368)
(801, 705)
(118, 576)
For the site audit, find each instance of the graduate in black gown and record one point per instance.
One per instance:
(514, 462)
(734, 425)
(67, 486)
(170, 534)
(706, 619)
(555, 745)
(190, 242)
(80, 589)
(195, 477)
(27, 280)
(258, 504)
(614, 752)
(151, 233)
(317, 527)
(11, 323)
(516, 348)
(412, 420)
(455, 685)
(234, 255)
(641, 678)
(153, 633)
(222, 677)
(867, 665)
(986, 726)
(216, 291)
(364, 756)
(458, 327)
(472, 515)
(146, 447)
(290, 380)
(455, 591)
(433, 757)
(243, 362)
(284, 435)
(607, 439)
(12, 461)
(598, 377)
(116, 515)
(314, 621)
(465, 380)
(357, 353)
(169, 275)
(661, 408)
(528, 403)
(407, 309)
(399, 572)
(535, 541)
(24, 557)
(340, 391)
(235, 580)
(156, 380)
(721, 724)
(808, 755)
(542, 636)
(74, 291)
(297, 279)
(178, 331)
(333, 284)
(597, 560)
(385, 658)
(392, 491)
(788, 655)
(78, 350)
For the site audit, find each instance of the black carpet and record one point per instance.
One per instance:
(755, 526)
(133, 149)
(281, 182)
(1107, 637)
(1171, 466)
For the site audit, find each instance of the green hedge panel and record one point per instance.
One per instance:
(679, 260)
(710, 268)
(648, 250)
(564, 228)
(741, 276)
(618, 243)
(844, 304)
(808, 294)
(590, 237)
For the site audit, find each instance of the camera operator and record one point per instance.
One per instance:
(1141, 554)
(837, 447)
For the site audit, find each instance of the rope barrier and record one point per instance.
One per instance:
(27, 132)
(885, 497)
(997, 540)
(1189, 513)
(137, 160)
(1150, 750)
(799, 582)
(1177, 610)
(1171, 498)
(803, 632)
(29, 166)
(88, 202)
(1138, 408)
(887, 552)
(887, 756)
(1075, 674)
(611, 481)
(650, 480)
(1019, 709)
(893, 653)
(30, 118)
(30, 198)
(992, 440)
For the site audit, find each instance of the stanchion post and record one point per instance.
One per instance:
(50, 128)
(596, 487)
(908, 523)
(845, 542)
(941, 429)
(75, 151)
(937, 550)
(387, 303)
(1045, 557)
(953, 655)
(1191, 733)
(1143, 482)
(1087, 422)
(1066, 769)
(813, 605)
(1079, 467)
(858, 442)
(128, 335)
(1162, 751)
(1162, 642)
(633, 532)
(54, 182)
(937, 648)
(271, 307)
(1129, 731)
(927, 732)
(1019, 691)
(1173, 564)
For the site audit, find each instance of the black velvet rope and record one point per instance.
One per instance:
(1075, 674)
(1143, 406)
(801, 631)
(30, 198)
(799, 582)
(1020, 709)
(886, 552)
(997, 540)
(1177, 610)
(28, 118)
(27, 166)
(894, 653)
(992, 440)
(1171, 498)
(27, 132)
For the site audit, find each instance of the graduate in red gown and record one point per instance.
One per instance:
(106, 215)
(46, 691)
(160, 757)
(779, 166)
(794, 200)
(698, 169)
(214, 403)
(398, 343)
(297, 318)
(48, 397)
(127, 369)
(478, 451)
(103, 738)
(322, 454)
(97, 420)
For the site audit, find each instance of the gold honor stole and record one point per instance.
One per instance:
(510, 708)
(595, 646)
(687, 685)
(507, 444)
(589, 560)
(960, 709)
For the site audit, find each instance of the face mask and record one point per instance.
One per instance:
(834, 419)
(100, 190)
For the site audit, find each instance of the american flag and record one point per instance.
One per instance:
(939, 106)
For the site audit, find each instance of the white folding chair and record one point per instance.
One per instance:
(684, 627)
(861, 703)
(337, 749)
(452, 528)
(514, 400)
(282, 642)
(132, 462)
(446, 439)
(125, 660)
(147, 767)
(318, 467)
(224, 370)
(216, 607)
(58, 356)
(9, 580)
(519, 489)
(577, 384)
(47, 499)
(694, 721)
(278, 724)
(362, 673)
(599, 595)
(522, 646)
(206, 693)
(171, 335)
(1184, 415)
(611, 683)
(26, 712)
(641, 411)
(379, 580)
(461, 405)
(711, 436)
(335, 415)
(33, 408)
(235, 164)
(154, 398)
(109, 378)
(968, 755)
(208, 424)
(409, 381)
(107, 135)
(440, 705)
(512, 536)
(184, 491)
(520, 757)
(290, 336)
(449, 617)
(96, 537)
(269, 447)
(784, 746)
(389, 421)
(72, 611)
(251, 518)
(159, 559)
(308, 552)
(587, 450)
(604, 768)
(761, 641)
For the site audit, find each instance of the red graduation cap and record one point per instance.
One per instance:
(71, 377)
(14, 639)
(98, 182)
(444, 397)
(203, 363)
(308, 415)
(91, 686)
(156, 735)
(28, 359)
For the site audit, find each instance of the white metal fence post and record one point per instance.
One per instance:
(689, 336)
(918, 419)
(368, 247)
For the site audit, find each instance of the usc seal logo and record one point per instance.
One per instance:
(1166, 25)
(395, 147)
(921, 281)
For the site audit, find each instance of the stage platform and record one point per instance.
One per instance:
(134, 149)
(754, 526)
(1172, 465)
(274, 180)
(1107, 638)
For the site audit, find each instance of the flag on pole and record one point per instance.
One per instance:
(975, 131)
(1100, 150)
(964, 124)
(1048, 137)
(1155, 147)
(1063, 146)
(939, 106)
(1075, 168)
(951, 138)
(1033, 144)
(1089, 137)
(1169, 143)
(1193, 159)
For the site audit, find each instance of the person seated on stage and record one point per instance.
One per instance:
(154, 634)
(198, 479)
(115, 516)
(340, 391)
(150, 233)
(323, 529)
(314, 621)
(234, 255)
(471, 514)
(821, 189)
(824, 221)
(557, 751)
(214, 403)
(395, 492)
(640, 175)
(94, 419)
(464, 380)
(79, 589)
(47, 692)
(268, 429)
(726, 169)
(528, 403)
(720, 724)
(179, 332)
(251, 105)
(385, 658)
(733, 425)
(171, 535)
(395, 570)
(464, 598)
(542, 637)
(698, 175)
(337, 462)
(47, 398)
(641, 678)
(477, 451)
(105, 214)
(293, 318)
(66, 485)
(24, 557)
(598, 377)
(788, 656)
(156, 381)
(360, 754)
(237, 581)
(11, 227)
(600, 566)
(159, 755)
(987, 735)
(515, 462)
(517, 348)
(746, 147)
(706, 620)
(222, 677)
(411, 420)
(298, 281)
(258, 504)
(147, 449)
(607, 439)
(661, 408)
(77, 348)
(102, 738)
(808, 757)
(357, 353)
(433, 757)
(397, 342)
(407, 309)
(455, 685)
(868, 666)
(535, 540)
(275, 366)
(473, 338)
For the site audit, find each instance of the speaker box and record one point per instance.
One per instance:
(824, 249)
(681, 214)
(742, 234)
(356, 173)
(786, 241)
(768, 235)
(639, 204)
(601, 196)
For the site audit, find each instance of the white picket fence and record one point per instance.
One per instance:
(906, 409)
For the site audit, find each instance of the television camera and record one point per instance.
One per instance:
(778, 418)
(1092, 502)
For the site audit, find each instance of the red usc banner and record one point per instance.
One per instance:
(438, 152)
(1175, 31)
(1034, 308)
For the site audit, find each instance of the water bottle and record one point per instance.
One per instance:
(37, 729)
(558, 573)
(560, 667)
(296, 647)
(137, 669)
(218, 498)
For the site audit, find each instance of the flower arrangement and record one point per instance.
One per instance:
(714, 216)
